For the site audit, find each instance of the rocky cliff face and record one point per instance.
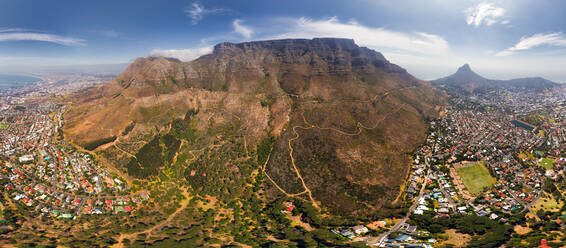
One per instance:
(332, 55)
(343, 118)
(323, 56)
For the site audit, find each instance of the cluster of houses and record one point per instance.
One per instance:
(405, 238)
(443, 198)
(470, 132)
(351, 232)
(555, 129)
(50, 176)
(24, 129)
(71, 171)
(439, 197)
(418, 175)
(476, 129)
(523, 180)
(485, 128)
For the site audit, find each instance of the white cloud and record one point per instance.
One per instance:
(241, 29)
(183, 54)
(417, 42)
(526, 43)
(9, 35)
(197, 12)
(485, 13)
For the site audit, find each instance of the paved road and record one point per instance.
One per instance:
(525, 206)
(449, 198)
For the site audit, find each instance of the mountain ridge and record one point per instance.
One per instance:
(466, 79)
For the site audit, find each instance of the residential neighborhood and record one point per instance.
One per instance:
(47, 174)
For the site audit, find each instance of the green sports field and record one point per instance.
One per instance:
(547, 163)
(476, 177)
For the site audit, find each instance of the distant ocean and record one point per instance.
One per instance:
(17, 81)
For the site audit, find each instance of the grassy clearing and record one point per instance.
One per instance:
(522, 230)
(547, 163)
(456, 239)
(4, 125)
(476, 177)
(547, 203)
(526, 155)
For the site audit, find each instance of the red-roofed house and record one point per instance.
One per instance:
(543, 244)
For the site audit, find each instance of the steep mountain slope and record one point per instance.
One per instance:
(469, 81)
(329, 121)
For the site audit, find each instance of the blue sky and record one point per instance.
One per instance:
(498, 38)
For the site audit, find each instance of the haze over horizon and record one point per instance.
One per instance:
(500, 39)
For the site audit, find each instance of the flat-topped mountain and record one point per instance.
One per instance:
(469, 81)
(327, 120)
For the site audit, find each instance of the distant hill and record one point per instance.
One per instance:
(469, 81)
(329, 120)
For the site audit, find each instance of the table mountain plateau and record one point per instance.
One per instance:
(323, 119)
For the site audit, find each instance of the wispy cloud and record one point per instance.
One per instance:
(222, 37)
(241, 29)
(183, 54)
(4, 30)
(17, 34)
(417, 42)
(485, 13)
(198, 11)
(526, 43)
(110, 33)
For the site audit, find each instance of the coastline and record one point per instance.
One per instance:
(15, 81)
